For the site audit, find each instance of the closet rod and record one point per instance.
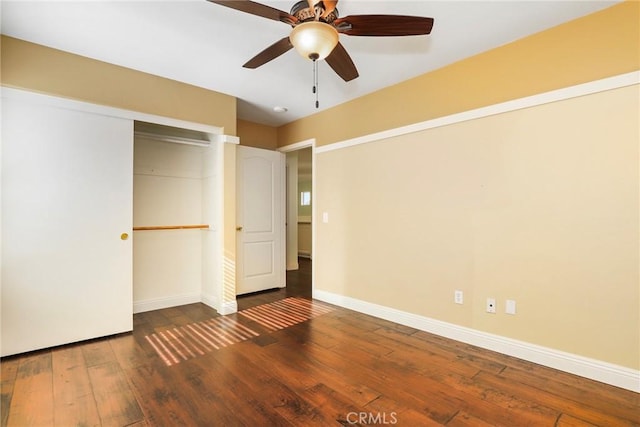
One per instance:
(172, 227)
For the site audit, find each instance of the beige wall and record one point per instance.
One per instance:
(304, 238)
(538, 205)
(41, 69)
(257, 135)
(596, 46)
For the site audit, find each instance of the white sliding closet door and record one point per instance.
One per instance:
(66, 200)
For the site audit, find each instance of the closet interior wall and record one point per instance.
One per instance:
(172, 186)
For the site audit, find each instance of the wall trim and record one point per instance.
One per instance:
(227, 139)
(298, 145)
(597, 370)
(596, 86)
(165, 302)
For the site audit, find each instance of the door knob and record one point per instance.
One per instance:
(124, 236)
(239, 228)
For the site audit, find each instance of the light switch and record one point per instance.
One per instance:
(325, 217)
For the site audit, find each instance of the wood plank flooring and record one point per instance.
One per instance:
(338, 367)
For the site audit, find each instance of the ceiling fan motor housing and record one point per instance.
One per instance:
(303, 12)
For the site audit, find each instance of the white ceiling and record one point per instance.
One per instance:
(205, 44)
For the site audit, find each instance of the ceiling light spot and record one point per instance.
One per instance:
(280, 109)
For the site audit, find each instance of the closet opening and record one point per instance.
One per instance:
(175, 237)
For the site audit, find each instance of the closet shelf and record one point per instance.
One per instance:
(172, 227)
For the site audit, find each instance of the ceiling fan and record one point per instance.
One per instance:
(316, 26)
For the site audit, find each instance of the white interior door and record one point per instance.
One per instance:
(66, 200)
(260, 220)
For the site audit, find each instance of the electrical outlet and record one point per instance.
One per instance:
(458, 297)
(491, 305)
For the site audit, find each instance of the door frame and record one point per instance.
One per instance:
(295, 147)
(291, 212)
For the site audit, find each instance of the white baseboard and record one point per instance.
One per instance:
(173, 301)
(597, 370)
(166, 302)
(223, 309)
(304, 254)
(229, 307)
(210, 301)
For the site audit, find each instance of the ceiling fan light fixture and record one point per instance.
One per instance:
(314, 39)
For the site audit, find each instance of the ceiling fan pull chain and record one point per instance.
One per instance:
(314, 89)
(315, 81)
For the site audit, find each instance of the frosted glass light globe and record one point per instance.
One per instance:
(314, 39)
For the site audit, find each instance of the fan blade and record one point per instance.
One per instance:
(270, 53)
(383, 25)
(258, 10)
(341, 63)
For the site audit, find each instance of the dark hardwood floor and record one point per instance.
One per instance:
(298, 285)
(312, 364)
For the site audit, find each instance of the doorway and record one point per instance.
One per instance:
(299, 251)
(299, 269)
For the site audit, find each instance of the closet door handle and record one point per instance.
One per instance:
(239, 228)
